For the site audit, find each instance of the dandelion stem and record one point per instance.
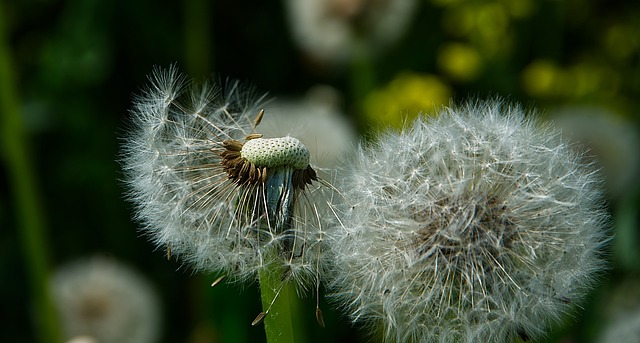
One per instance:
(275, 293)
(25, 197)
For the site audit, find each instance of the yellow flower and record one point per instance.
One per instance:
(407, 95)
(540, 78)
(460, 61)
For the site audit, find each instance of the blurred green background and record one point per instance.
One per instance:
(69, 69)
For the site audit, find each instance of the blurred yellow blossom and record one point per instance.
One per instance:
(485, 24)
(445, 3)
(407, 95)
(589, 78)
(460, 61)
(539, 77)
(519, 8)
(516, 8)
(621, 41)
(491, 19)
(581, 79)
(491, 32)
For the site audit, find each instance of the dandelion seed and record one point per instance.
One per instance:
(259, 318)
(217, 281)
(219, 194)
(474, 226)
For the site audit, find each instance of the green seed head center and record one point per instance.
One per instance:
(276, 152)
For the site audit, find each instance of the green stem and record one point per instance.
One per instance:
(276, 304)
(25, 197)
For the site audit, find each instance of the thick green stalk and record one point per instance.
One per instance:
(25, 197)
(277, 309)
(274, 286)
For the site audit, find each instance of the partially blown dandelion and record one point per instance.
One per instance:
(213, 191)
(474, 226)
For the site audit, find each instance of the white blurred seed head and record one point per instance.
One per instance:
(617, 311)
(101, 300)
(332, 30)
(213, 192)
(476, 225)
(624, 329)
(82, 339)
(613, 141)
(317, 122)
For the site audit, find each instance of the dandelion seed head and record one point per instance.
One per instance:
(276, 152)
(475, 225)
(211, 191)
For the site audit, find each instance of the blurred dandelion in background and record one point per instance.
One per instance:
(611, 140)
(624, 329)
(332, 31)
(619, 311)
(318, 122)
(477, 224)
(101, 300)
(82, 339)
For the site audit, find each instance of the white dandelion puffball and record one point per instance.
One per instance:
(213, 191)
(101, 300)
(476, 225)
